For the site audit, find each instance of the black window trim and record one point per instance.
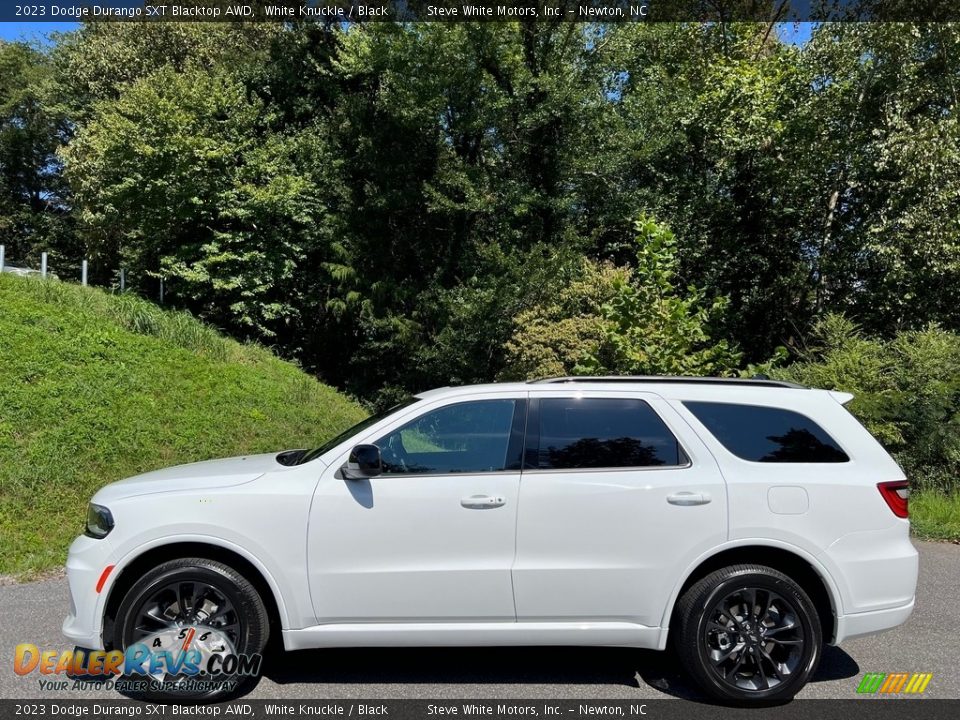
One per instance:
(531, 452)
(848, 461)
(515, 444)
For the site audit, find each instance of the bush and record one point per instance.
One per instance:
(565, 336)
(623, 320)
(907, 392)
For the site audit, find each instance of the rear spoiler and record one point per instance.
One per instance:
(841, 397)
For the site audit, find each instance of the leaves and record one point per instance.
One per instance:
(907, 391)
(389, 203)
(178, 178)
(622, 320)
(33, 198)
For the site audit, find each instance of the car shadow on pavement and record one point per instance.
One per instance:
(553, 666)
(666, 675)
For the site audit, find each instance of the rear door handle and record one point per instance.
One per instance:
(483, 502)
(689, 498)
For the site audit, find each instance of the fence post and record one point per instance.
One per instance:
(161, 291)
(43, 264)
(123, 279)
(3, 251)
(83, 273)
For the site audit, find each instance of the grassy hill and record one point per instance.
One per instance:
(96, 387)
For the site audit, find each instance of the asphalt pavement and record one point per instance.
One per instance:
(928, 642)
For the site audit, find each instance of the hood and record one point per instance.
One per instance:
(207, 474)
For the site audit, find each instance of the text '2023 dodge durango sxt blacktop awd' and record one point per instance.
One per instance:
(743, 522)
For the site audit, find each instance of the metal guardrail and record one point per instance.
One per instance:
(44, 272)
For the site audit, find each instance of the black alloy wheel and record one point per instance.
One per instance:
(181, 603)
(197, 604)
(748, 633)
(753, 639)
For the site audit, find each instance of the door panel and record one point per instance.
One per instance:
(609, 544)
(409, 546)
(391, 549)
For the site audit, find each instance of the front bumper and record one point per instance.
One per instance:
(86, 562)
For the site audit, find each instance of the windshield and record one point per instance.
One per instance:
(362, 425)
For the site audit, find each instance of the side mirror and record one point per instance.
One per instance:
(364, 462)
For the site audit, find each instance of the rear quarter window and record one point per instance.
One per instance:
(767, 434)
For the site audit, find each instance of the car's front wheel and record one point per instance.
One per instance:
(748, 633)
(194, 629)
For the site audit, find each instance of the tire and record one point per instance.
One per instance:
(164, 604)
(765, 655)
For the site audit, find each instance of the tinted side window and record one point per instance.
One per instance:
(766, 434)
(603, 433)
(467, 437)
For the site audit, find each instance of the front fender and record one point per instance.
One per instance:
(130, 557)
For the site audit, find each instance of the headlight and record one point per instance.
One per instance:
(99, 521)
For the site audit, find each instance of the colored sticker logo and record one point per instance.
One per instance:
(893, 683)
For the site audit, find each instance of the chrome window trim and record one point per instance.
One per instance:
(631, 468)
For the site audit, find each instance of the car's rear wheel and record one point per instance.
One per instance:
(200, 612)
(748, 633)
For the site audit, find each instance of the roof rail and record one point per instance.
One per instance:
(758, 380)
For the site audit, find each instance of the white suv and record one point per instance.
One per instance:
(745, 521)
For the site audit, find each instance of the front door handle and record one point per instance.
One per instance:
(689, 498)
(482, 502)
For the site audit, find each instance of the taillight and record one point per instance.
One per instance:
(896, 493)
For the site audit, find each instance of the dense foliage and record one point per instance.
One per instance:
(33, 196)
(404, 206)
(95, 388)
(907, 391)
(623, 321)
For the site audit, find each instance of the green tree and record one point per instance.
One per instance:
(34, 201)
(180, 177)
(97, 61)
(621, 320)
(459, 146)
(383, 201)
(652, 326)
(885, 109)
(568, 334)
(702, 138)
(907, 391)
